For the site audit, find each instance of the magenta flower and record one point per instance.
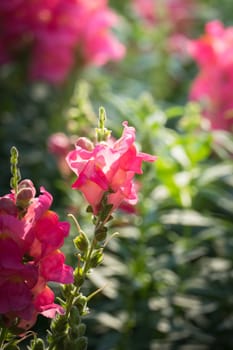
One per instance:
(16, 278)
(213, 85)
(109, 166)
(30, 237)
(44, 304)
(56, 34)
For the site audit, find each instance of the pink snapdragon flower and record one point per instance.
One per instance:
(213, 85)
(30, 236)
(56, 34)
(108, 167)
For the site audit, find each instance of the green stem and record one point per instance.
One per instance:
(76, 290)
(3, 335)
(87, 261)
(85, 269)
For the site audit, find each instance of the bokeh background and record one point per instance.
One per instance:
(167, 276)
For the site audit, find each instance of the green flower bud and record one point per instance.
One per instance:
(105, 209)
(58, 325)
(81, 242)
(80, 343)
(68, 345)
(78, 279)
(76, 331)
(74, 316)
(81, 303)
(37, 344)
(12, 347)
(81, 329)
(101, 233)
(96, 258)
(66, 289)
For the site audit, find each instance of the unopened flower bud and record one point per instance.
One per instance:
(78, 277)
(24, 197)
(68, 344)
(27, 184)
(96, 258)
(76, 330)
(11, 347)
(59, 144)
(74, 316)
(81, 329)
(58, 324)
(85, 143)
(81, 343)
(82, 300)
(38, 345)
(81, 242)
(101, 234)
(26, 192)
(81, 304)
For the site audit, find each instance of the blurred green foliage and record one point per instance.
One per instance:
(168, 274)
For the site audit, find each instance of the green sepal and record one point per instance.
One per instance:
(37, 344)
(81, 343)
(81, 242)
(96, 258)
(101, 233)
(11, 347)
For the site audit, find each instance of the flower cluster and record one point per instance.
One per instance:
(30, 237)
(55, 32)
(178, 13)
(213, 85)
(108, 168)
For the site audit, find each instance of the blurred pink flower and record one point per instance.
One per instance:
(178, 13)
(178, 44)
(213, 85)
(108, 167)
(145, 9)
(59, 144)
(30, 236)
(56, 34)
(98, 43)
